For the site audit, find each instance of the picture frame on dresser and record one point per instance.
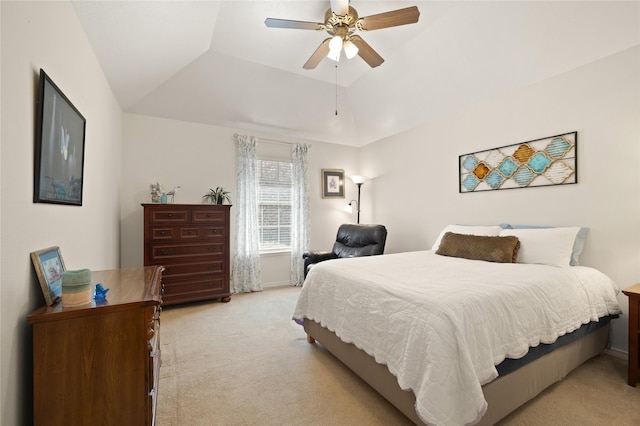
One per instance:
(59, 147)
(49, 266)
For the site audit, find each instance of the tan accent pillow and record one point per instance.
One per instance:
(492, 249)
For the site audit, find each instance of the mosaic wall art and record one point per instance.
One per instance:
(541, 162)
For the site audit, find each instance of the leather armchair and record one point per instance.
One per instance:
(352, 241)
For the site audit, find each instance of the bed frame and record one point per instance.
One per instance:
(503, 395)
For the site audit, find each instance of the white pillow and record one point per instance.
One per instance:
(547, 246)
(490, 231)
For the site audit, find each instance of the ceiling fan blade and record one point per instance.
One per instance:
(295, 25)
(366, 52)
(408, 15)
(320, 53)
(340, 7)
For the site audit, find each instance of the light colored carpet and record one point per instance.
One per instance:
(247, 363)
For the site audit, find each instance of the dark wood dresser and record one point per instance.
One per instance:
(633, 293)
(99, 364)
(191, 241)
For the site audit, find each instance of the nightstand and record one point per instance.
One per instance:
(633, 293)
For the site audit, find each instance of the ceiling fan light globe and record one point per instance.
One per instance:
(350, 49)
(335, 43)
(334, 55)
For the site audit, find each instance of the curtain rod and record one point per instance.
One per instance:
(279, 142)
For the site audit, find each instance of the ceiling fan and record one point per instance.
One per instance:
(341, 21)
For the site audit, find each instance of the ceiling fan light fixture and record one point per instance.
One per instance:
(334, 55)
(341, 21)
(336, 43)
(350, 49)
(335, 47)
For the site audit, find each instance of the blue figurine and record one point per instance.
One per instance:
(101, 292)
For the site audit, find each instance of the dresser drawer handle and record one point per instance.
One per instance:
(208, 214)
(189, 232)
(165, 252)
(170, 215)
(162, 232)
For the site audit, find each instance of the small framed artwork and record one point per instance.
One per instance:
(59, 147)
(332, 183)
(49, 267)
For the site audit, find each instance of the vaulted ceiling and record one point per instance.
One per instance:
(216, 62)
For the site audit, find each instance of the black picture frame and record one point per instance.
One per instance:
(59, 147)
(332, 183)
(49, 267)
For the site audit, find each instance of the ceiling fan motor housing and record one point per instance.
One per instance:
(331, 20)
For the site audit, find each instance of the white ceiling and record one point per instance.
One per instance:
(215, 62)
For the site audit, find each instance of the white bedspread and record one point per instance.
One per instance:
(441, 324)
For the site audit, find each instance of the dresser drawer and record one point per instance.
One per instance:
(160, 233)
(188, 269)
(202, 215)
(165, 216)
(162, 254)
(188, 233)
(203, 284)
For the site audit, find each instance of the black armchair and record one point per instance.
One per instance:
(352, 241)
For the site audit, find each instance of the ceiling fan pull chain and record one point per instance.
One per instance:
(336, 89)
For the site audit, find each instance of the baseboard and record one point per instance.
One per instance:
(276, 284)
(617, 353)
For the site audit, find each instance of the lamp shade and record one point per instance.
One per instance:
(359, 179)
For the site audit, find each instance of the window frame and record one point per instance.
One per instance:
(259, 203)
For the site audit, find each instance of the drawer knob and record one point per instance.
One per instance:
(170, 215)
(208, 214)
(189, 232)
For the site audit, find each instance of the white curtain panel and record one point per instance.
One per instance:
(299, 212)
(246, 257)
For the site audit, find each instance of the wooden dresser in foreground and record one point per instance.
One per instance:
(99, 364)
(633, 293)
(191, 241)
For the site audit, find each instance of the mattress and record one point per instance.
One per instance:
(510, 365)
(441, 324)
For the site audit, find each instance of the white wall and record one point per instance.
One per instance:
(415, 190)
(48, 35)
(198, 157)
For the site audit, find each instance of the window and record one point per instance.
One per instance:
(274, 204)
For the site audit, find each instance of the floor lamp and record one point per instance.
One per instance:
(358, 180)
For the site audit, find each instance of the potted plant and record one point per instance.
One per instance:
(217, 196)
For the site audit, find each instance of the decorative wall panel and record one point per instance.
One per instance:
(540, 162)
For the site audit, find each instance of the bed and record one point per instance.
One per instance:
(431, 332)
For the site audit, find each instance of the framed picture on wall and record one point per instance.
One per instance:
(49, 267)
(332, 183)
(59, 150)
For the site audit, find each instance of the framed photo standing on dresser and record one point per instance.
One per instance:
(49, 267)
